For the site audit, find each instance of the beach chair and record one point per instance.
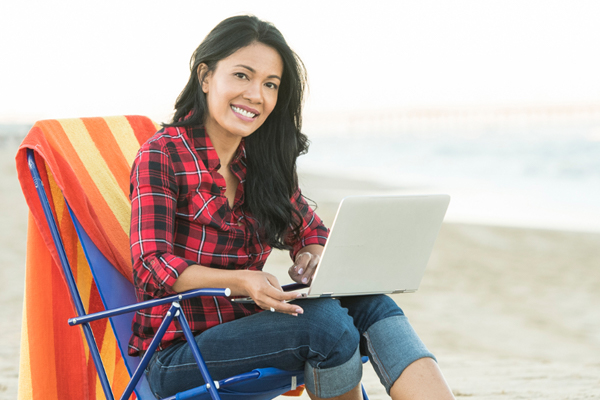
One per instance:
(118, 299)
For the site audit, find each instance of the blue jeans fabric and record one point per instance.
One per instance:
(326, 342)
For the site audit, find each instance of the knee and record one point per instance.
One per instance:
(331, 331)
(367, 310)
(384, 306)
(337, 369)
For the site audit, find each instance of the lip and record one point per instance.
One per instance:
(249, 109)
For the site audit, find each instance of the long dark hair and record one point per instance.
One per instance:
(272, 149)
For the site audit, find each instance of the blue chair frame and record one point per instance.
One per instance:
(252, 384)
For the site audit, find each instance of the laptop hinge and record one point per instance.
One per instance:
(327, 294)
(399, 291)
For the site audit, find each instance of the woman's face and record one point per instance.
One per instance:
(241, 91)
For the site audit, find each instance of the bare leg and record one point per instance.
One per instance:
(421, 380)
(354, 394)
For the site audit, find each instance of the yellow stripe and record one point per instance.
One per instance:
(99, 390)
(25, 385)
(126, 139)
(98, 169)
(84, 278)
(57, 197)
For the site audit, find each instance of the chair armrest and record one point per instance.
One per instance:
(149, 303)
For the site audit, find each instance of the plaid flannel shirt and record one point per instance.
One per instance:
(180, 217)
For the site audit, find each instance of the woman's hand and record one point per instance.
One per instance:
(266, 292)
(306, 264)
(261, 286)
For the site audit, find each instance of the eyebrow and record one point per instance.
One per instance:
(254, 71)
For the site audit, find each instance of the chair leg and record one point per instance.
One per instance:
(153, 345)
(189, 336)
(364, 392)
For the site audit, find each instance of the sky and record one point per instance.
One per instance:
(75, 58)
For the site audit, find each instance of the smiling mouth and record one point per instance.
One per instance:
(243, 112)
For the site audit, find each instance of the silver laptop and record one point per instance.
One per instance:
(378, 244)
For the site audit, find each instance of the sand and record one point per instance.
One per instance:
(510, 313)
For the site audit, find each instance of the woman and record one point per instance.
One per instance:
(212, 193)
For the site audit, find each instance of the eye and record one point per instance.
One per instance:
(241, 75)
(272, 85)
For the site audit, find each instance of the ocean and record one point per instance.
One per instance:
(545, 176)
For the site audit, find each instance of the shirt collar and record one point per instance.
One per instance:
(238, 164)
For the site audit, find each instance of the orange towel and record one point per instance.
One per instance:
(88, 162)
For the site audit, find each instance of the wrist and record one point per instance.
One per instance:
(242, 282)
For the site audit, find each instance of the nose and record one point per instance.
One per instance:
(253, 93)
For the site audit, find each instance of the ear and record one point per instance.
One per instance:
(203, 76)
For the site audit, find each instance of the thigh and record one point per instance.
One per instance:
(367, 310)
(324, 336)
(278, 340)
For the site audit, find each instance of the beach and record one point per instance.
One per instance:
(510, 313)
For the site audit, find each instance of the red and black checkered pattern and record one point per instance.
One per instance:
(180, 217)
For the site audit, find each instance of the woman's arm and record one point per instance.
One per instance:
(307, 249)
(157, 270)
(154, 191)
(262, 287)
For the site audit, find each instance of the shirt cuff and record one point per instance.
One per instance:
(165, 269)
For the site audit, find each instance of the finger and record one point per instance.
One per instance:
(284, 296)
(274, 282)
(283, 306)
(295, 276)
(275, 291)
(307, 277)
(292, 271)
(301, 262)
(297, 270)
(310, 269)
(286, 308)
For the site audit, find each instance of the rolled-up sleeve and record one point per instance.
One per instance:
(313, 230)
(153, 207)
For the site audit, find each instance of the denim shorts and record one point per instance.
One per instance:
(326, 341)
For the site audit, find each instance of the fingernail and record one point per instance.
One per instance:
(300, 295)
(294, 315)
(300, 271)
(304, 280)
(299, 310)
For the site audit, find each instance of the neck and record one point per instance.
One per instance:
(225, 145)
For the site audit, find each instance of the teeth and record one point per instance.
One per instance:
(243, 112)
